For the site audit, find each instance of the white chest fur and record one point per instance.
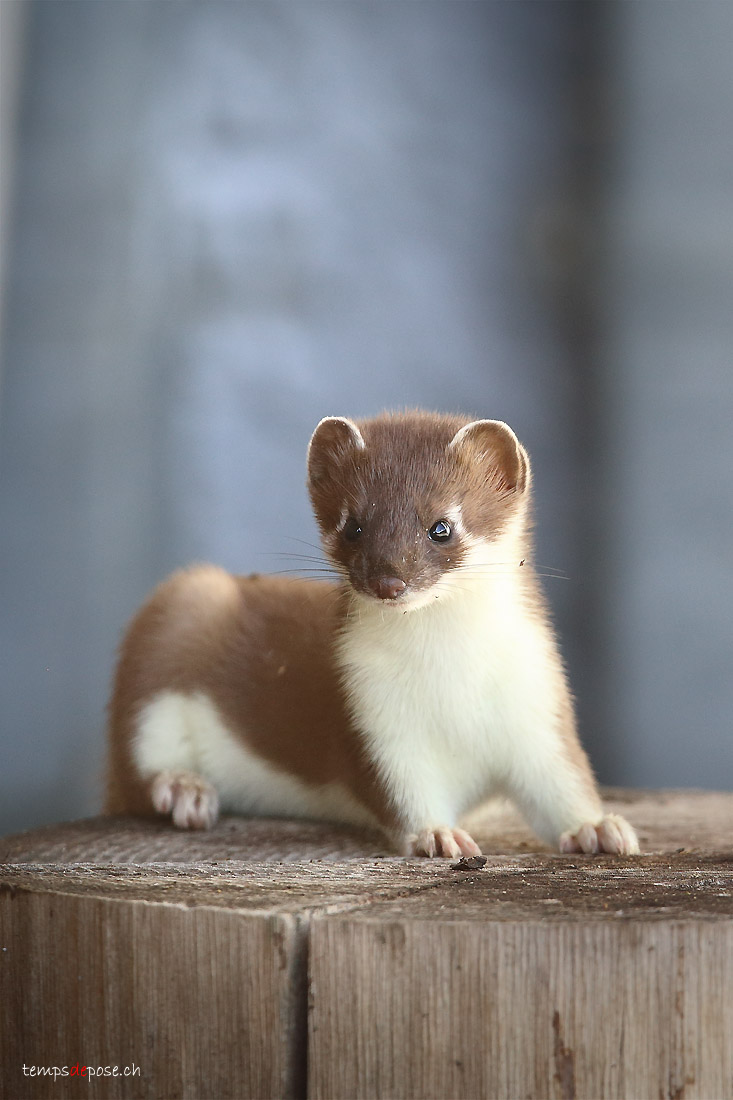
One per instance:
(450, 697)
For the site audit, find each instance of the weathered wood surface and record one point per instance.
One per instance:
(268, 959)
(618, 986)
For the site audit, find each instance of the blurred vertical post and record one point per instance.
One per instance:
(569, 245)
(12, 26)
(667, 522)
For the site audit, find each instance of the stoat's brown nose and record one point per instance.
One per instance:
(387, 588)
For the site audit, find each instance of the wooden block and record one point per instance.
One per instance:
(535, 982)
(204, 1001)
(220, 962)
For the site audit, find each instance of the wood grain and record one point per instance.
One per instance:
(283, 959)
(441, 1004)
(166, 988)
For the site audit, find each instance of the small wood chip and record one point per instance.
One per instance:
(469, 863)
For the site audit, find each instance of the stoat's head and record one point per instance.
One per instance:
(408, 502)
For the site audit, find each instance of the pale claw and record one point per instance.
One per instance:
(191, 800)
(612, 834)
(442, 840)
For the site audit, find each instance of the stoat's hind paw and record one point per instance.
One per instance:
(612, 834)
(441, 841)
(191, 801)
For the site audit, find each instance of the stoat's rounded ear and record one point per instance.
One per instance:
(493, 446)
(334, 438)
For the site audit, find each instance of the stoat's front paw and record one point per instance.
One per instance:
(441, 841)
(612, 834)
(191, 801)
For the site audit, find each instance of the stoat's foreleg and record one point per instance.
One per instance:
(611, 834)
(441, 840)
(556, 792)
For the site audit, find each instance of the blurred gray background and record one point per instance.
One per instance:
(224, 220)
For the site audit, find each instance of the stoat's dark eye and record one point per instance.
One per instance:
(440, 531)
(351, 529)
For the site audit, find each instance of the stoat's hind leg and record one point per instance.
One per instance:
(191, 801)
(173, 730)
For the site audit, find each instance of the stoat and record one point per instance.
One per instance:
(426, 680)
